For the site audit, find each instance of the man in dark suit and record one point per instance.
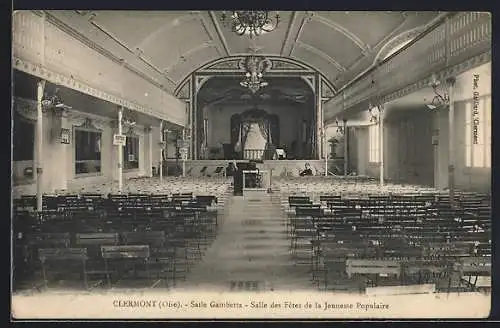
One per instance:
(307, 171)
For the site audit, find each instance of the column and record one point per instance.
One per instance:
(184, 153)
(60, 175)
(149, 162)
(450, 82)
(346, 150)
(325, 148)
(120, 150)
(319, 117)
(381, 142)
(161, 151)
(39, 145)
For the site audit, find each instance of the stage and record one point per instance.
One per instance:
(277, 168)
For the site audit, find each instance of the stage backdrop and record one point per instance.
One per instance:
(290, 120)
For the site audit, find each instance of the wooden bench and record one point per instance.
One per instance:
(475, 266)
(124, 257)
(62, 256)
(377, 268)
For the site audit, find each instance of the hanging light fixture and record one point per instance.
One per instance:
(340, 128)
(441, 97)
(250, 22)
(50, 101)
(255, 67)
(374, 113)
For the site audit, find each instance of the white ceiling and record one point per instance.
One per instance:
(172, 44)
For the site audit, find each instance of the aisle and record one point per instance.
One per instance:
(251, 251)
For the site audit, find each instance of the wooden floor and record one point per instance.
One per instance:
(251, 251)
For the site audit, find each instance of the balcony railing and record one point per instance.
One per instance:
(461, 37)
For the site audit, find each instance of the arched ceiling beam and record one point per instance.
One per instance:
(219, 33)
(287, 35)
(188, 53)
(323, 55)
(165, 27)
(356, 40)
(299, 32)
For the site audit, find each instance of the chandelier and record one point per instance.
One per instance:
(255, 67)
(251, 22)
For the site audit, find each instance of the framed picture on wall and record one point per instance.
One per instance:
(65, 136)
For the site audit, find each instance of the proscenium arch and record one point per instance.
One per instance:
(302, 69)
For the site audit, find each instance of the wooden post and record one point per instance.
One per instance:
(161, 151)
(451, 151)
(346, 151)
(120, 150)
(39, 146)
(381, 142)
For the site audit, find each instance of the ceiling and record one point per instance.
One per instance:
(169, 45)
(285, 91)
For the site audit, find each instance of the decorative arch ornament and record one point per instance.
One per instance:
(230, 66)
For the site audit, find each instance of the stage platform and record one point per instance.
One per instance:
(277, 168)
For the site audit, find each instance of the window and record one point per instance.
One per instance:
(131, 153)
(374, 143)
(23, 139)
(478, 133)
(87, 151)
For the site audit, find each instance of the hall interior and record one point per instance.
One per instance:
(124, 124)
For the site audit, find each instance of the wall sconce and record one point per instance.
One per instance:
(442, 97)
(374, 113)
(340, 128)
(53, 101)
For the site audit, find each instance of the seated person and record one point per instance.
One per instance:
(230, 169)
(307, 171)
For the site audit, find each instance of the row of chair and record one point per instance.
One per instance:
(397, 229)
(180, 226)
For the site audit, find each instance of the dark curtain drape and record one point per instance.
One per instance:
(264, 128)
(275, 129)
(245, 127)
(235, 129)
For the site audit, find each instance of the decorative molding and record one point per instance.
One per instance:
(287, 35)
(310, 80)
(326, 90)
(231, 64)
(322, 55)
(74, 84)
(77, 118)
(281, 65)
(184, 91)
(442, 75)
(467, 44)
(219, 33)
(351, 36)
(200, 80)
(96, 47)
(299, 32)
(26, 108)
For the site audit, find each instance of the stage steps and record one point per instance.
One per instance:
(251, 251)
